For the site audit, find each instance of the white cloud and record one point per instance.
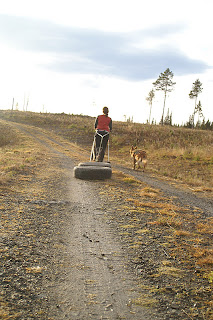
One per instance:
(116, 43)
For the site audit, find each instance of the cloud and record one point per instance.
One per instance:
(86, 51)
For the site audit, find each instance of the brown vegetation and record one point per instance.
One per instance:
(181, 154)
(148, 223)
(171, 246)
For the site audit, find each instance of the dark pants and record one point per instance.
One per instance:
(101, 147)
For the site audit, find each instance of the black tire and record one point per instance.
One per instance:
(95, 164)
(92, 172)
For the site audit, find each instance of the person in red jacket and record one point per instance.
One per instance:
(103, 126)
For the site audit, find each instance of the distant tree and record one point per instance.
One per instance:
(168, 119)
(199, 111)
(196, 90)
(150, 98)
(198, 124)
(165, 84)
(130, 119)
(190, 122)
(207, 126)
(27, 103)
(13, 104)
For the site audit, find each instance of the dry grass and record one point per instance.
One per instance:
(205, 228)
(18, 157)
(182, 233)
(172, 222)
(8, 135)
(145, 301)
(173, 152)
(150, 192)
(176, 153)
(184, 237)
(178, 221)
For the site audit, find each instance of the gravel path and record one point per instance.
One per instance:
(71, 263)
(98, 284)
(82, 272)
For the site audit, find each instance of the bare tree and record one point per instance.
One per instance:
(150, 98)
(27, 103)
(165, 84)
(196, 90)
(13, 103)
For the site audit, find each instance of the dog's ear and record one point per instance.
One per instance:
(136, 148)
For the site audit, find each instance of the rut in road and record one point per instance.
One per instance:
(181, 196)
(98, 283)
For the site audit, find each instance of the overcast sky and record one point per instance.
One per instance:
(78, 56)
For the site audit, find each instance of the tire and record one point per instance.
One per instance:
(95, 164)
(92, 172)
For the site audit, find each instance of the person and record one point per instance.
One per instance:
(103, 126)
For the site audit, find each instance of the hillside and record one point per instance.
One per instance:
(184, 155)
(136, 245)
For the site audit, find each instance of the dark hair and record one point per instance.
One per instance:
(105, 111)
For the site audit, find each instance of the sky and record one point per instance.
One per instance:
(79, 56)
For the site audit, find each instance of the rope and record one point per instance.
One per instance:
(92, 155)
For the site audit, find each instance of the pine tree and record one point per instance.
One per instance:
(196, 90)
(165, 84)
(168, 119)
(198, 109)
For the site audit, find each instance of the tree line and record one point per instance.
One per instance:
(165, 84)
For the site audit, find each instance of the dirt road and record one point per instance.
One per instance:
(98, 283)
(89, 275)
(83, 271)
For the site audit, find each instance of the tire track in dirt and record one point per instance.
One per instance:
(97, 284)
(39, 136)
(107, 288)
(180, 196)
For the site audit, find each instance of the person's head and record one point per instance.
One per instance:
(105, 111)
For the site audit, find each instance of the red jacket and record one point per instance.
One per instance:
(103, 123)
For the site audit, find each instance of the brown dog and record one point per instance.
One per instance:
(139, 157)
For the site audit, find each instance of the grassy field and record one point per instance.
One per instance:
(171, 246)
(181, 154)
(145, 218)
(18, 155)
